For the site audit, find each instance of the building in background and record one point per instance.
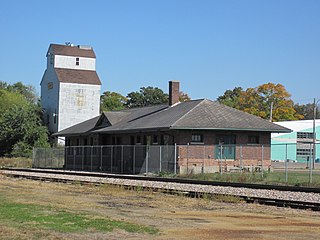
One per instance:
(70, 87)
(296, 146)
(202, 130)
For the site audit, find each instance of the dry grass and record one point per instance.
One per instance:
(176, 217)
(15, 162)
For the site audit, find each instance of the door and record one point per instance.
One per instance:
(226, 148)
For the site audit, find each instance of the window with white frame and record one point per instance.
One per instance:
(305, 135)
(197, 138)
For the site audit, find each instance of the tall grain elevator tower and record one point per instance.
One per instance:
(70, 87)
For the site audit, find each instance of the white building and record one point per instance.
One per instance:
(70, 87)
(297, 145)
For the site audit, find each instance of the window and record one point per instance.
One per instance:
(48, 119)
(253, 139)
(50, 85)
(307, 135)
(118, 140)
(155, 139)
(304, 151)
(138, 140)
(197, 138)
(77, 61)
(132, 140)
(304, 145)
(51, 58)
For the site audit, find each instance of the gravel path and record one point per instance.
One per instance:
(260, 193)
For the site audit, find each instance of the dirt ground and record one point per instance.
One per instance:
(176, 217)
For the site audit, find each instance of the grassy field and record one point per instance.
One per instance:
(43, 210)
(33, 216)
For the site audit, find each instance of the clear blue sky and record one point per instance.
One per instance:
(210, 46)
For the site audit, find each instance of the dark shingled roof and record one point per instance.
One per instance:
(75, 51)
(77, 76)
(200, 114)
(79, 129)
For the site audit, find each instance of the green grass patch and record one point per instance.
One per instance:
(47, 218)
(276, 178)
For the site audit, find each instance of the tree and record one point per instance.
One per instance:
(9, 99)
(183, 97)
(258, 101)
(27, 91)
(146, 97)
(111, 101)
(21, 130)
(230, 97)
(307, 111)
(21, 126)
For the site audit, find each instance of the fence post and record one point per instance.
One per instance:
(220, 160)
(74, 158)
(45, 158)
(111, 158)
(187, 158)
(33, 156)
(134, 160)
(91, 157)
(121, 166)
(262, 155)
(51, 158)
(160, 157)
(82, 158)
(310, 165)
(101, 158)
(286, 163)
(175, 159)
(203, 157)
(241, 163)
(147, 158)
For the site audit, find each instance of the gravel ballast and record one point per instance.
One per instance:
(223, 190)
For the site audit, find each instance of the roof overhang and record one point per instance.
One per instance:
(137, 130)
(233, 129)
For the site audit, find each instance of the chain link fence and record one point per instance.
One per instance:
(48, 158)
(114, 159)
(184, 159)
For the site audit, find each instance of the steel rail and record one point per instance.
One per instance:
(173, 180)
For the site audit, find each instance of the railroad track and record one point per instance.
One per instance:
(281, 196)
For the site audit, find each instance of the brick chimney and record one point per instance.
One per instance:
(174, 92)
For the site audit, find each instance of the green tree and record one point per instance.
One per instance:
(230, 97)
(9, 99)
(111, 101)
(307, 110)
(21, 130)
(20, 120)
(147, 96)
(27, 91)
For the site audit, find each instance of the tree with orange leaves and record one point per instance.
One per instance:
(260, 100)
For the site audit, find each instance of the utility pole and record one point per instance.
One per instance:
(271, 108)
(314, 131)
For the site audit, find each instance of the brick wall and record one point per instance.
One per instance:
(202, 159)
